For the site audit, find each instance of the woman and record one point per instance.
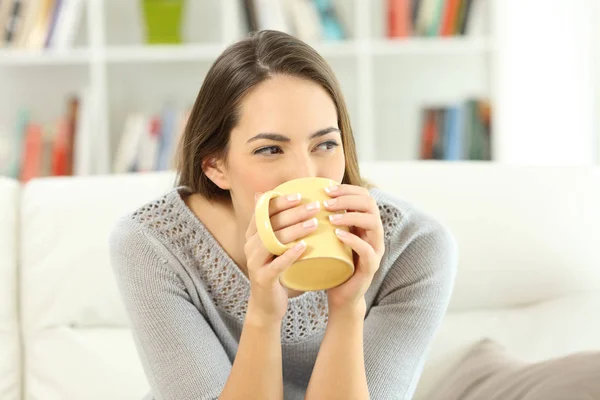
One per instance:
(209, 316)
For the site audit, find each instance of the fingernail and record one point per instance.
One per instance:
(330, 189)
(313, 206)
(300, 245)
(256, 196)
(341, 232)
(329, 203)
(294, 197)
(310, 223)
(335, 217)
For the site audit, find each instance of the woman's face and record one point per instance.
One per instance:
(287, 129)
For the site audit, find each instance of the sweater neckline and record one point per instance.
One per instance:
(216, 246)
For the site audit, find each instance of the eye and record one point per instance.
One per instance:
(327, 146)
(268, 150)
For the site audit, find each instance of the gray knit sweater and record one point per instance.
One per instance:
(186, 301)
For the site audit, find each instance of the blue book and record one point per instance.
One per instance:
(14, 167)
(167, 138)
(453, 134)
(330, 24)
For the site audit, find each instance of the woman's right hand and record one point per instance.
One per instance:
(290, 221)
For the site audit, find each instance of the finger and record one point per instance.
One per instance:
(368, 222)
(276, 205)
(282, 262)
(340, 190)
(352, 202)
(257, 254)
(360, 247)
(297, 231)
(251, 230)
(282, 203)
(295, 215)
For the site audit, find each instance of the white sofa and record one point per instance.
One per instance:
(529, 271)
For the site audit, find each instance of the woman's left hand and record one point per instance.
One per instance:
(365, 238)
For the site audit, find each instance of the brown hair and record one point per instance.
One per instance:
(238, 69)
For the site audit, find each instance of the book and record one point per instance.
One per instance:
(305, 19)
(447, 17)
(166, 138)
(131, 141)
(250, 14)
(331, 26)
(399, 18)
(5, 14)
(149, 146)
(37, 36)
(52, 22)
(68, 21)
(83, 152)
(18, 143)
(271, 14)
(13, 21)
(32, 156)
(450, 17)
(460, 131)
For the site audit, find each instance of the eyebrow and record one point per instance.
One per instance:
(281, 138)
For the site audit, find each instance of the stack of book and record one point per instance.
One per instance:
(63, 147)
(149, 142)
(308, 20)
(428, 17)
(39, 24)
(457, 132)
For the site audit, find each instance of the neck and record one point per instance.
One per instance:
(221, 220)
(232, 228)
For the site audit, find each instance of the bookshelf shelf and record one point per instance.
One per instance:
(202, 52)
(336, 49)
(19, 57)
(208, 52)
(431, 46)
(163, 53)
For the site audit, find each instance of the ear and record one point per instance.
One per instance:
(214, 169)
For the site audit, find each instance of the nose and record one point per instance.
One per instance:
(301, 167)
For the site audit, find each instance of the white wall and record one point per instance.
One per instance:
(544, 82)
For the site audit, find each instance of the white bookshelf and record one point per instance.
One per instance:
(385, 82)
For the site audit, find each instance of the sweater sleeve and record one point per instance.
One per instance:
(410, 305)
(181, 355)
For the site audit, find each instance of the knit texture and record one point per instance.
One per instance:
(186, 301)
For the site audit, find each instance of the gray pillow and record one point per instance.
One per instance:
(489, 372)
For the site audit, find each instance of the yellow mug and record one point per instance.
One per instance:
(326, 262)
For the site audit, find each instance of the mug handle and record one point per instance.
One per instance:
(263, 224)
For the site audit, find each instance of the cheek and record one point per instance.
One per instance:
(335, 167)
(248, 181)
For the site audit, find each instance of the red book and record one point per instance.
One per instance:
(60, 150)
(72, 114)
(450, 17)
(32, 156)
(428, 135)
(399, 18)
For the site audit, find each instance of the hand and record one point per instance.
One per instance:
(290, 221)
(365, 238)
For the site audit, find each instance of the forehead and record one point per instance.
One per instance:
(287, 103)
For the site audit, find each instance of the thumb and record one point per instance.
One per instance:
(282, 262)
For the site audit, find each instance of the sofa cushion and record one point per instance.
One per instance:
(9, 338)
(77, 343)
(553, 328)
(491, 372)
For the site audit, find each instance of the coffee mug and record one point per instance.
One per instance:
(326, 262)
